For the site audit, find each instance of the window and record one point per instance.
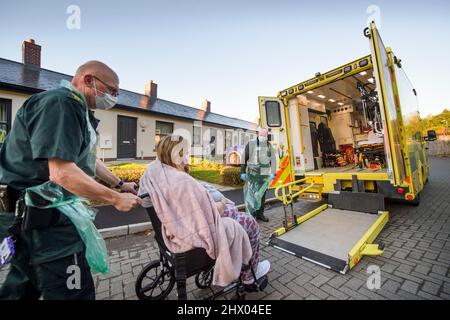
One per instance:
(228, 138)
(5, 118)
(162, 129)
(213, 141)
(409, 106)
(242, 138)
(246, 139)
(197, 136)
(235, 139)
(273, 114)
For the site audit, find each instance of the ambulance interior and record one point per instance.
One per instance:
(344, 126)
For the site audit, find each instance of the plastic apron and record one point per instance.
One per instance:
(258, 172)
(51, 195)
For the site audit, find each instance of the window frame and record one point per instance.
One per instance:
(228, 138)
(159, 134)
(7, 123)
(199, 144)
(279, 114)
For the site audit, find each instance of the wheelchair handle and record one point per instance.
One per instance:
(143, 196)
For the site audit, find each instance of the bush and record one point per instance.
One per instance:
(205, 170)
(129, 172)
(204, 164)
(230, 176)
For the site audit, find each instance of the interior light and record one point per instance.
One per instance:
(321, 96)
(363, 73)
(310, 92)
(340, 103)
(370, 80)
(332, 100)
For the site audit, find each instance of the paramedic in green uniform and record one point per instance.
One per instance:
(49, 133)
(258, 167)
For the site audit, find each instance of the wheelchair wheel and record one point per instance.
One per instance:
(203, 280)
(155, 281)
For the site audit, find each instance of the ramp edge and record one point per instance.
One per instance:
(315, 257)
(369, 237)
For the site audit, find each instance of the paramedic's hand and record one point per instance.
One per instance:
(126, 201)
(129, 187)
(243, 177)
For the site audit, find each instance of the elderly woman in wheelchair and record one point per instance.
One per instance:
(198, 231)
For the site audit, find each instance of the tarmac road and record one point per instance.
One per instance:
(109, 217)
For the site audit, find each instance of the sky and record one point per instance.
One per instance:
(230, 52)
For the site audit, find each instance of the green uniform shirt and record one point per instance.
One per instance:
(50, 124)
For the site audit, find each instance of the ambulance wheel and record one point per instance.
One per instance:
(203, 280)
(155, 281)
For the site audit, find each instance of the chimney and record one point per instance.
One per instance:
(206, 106)
(31, 53)
(151, 89)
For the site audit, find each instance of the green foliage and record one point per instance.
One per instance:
(130, 172)
(437, 123)
(204, 164)
(208, 175)
(204, 170)
(230, 176)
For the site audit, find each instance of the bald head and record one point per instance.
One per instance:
(97, 68)
(263, 132)
(94, 78)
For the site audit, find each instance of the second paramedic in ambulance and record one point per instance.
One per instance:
(257, 171)
(51, 147)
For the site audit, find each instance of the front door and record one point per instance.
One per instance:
(126, 137)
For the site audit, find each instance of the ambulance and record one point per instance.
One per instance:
(353, 136)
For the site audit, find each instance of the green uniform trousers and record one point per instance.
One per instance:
(52, 280)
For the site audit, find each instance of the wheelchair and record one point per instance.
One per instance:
(158, 278)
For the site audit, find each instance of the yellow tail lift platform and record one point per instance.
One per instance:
(335, 235)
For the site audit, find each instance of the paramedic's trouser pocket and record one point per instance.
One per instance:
(68, 278)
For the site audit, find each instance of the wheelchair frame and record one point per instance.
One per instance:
(176, 268)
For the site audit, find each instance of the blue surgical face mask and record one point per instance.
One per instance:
(105, 102)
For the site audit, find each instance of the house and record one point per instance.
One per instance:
(134, 126)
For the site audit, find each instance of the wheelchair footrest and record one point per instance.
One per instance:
(258, 285)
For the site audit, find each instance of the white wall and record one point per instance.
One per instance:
(145, 141)
(17, 100)
(145, 137)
